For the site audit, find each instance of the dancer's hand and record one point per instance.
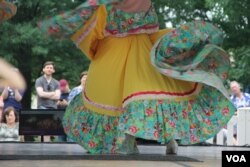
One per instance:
(9, 77)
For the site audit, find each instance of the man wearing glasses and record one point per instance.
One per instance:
(47, 88)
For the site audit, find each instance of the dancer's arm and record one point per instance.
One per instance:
(67, 23)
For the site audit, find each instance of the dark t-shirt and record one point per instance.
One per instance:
(47, 87)
(11, 101)
(64, 96)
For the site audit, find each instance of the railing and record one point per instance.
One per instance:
(41, 122)
(242, 119)
(49, 122)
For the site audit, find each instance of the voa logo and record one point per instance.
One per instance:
(236, 158)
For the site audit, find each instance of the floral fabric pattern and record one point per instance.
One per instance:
(65, 24)
(192, 53)
(95, 132)
(120, 23)
(193, 121)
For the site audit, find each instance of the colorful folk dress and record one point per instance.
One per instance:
(131, 93)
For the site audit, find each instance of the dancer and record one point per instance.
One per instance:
(125, 97)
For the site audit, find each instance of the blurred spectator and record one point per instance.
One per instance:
(239, 98)
(12, 98)
(10, 125)
(62, 103)
(47, 88)
(75, 91)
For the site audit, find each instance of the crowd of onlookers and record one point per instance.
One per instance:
(51, 94)
(54, 94)
(10, 105)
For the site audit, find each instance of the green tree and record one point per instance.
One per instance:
(180, 11)
(234, 17)
(24, 46)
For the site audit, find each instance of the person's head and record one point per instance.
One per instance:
(83, 77)
(64, 85)
(235, 87)
(10, 115)
(48, 68)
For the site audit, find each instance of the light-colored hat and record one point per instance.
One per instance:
(7, 10)
(192, 53)
(10, 77)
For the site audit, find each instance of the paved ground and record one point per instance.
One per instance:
(209, 156)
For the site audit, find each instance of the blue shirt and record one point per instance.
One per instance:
(243, 102)
(74, 92)
(11, 101)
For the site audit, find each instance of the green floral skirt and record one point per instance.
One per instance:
(193, 121)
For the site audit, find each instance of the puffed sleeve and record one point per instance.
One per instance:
(87, 37)
(82, 24)
(66, 23)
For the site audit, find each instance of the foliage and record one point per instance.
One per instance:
(241, 65)
(25, 47)
(180, 11)
(233, 16)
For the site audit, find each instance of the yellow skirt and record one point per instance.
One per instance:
(120, 69)
(121, 72)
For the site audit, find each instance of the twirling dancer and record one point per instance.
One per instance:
(125, 96)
